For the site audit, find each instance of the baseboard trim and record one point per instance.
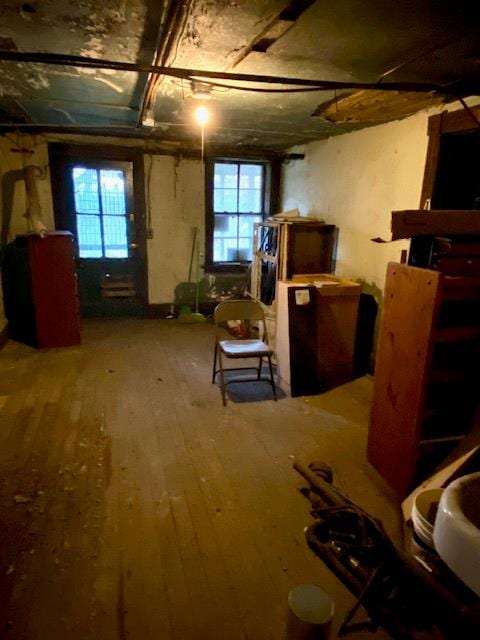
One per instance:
(3, 336)
(157, 310)
(163, 310)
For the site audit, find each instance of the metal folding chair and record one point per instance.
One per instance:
(244, 310)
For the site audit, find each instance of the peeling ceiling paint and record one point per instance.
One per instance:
(410, 41)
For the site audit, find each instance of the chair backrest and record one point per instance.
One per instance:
(238, 310)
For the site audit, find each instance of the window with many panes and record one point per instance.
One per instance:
(101, 212)
(237, 202)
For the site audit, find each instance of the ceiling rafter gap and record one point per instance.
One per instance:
(275, 29)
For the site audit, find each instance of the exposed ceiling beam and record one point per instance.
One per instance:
(190, 74)
(149, 39)
(154, 145)
(168, 34)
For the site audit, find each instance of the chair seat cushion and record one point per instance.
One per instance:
(245, 348)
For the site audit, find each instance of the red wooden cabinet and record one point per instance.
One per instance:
(41, 290)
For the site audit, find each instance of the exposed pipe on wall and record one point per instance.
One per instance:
(34, 210)
(9, 179)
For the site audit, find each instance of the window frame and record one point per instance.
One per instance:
(459, 121)
(129, 205)
(271, 180)
(62, 156)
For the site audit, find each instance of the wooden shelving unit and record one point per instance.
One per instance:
(426, 375)
(290, 248)
(282, 249)
(265, 250)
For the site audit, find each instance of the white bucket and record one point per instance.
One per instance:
(424, 512)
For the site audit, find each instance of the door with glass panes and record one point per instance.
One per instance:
(104, 225)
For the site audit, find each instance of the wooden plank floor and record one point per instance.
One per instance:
(134, 506)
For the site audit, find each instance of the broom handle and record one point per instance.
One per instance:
(194, 244)
(197, 287)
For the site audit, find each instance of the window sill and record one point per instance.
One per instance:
(227, 267)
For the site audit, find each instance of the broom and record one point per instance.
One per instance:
(197, 316)
(186, 314)
(185, 310)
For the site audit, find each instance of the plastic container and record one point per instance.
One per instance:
(457, 529)
(310, 614)
(424, 512)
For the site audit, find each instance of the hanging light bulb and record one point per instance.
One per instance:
(202, 115)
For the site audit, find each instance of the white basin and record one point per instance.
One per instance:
(456, 533)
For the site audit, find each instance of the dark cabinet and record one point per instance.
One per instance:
(316, 325)
(40, 290)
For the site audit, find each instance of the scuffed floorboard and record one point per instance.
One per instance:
(134, 506)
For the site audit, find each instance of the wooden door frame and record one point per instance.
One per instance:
(61, 154)
(460, 121)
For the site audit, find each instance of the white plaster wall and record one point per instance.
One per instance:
(355, 181)
(294, 184)
(11, 161)
(177, 205)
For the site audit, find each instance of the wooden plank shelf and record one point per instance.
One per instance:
(408, 223)
(458, 288)
(456, 334)
(461, 281)
(447, 376)
(442, 440)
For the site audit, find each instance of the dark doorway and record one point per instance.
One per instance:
(97, 197)
(457, 184)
